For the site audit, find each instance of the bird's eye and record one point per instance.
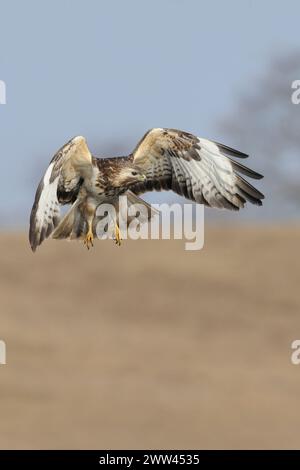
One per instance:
(134, 173)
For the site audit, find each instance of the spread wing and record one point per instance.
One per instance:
(60, 184)
(197, 168)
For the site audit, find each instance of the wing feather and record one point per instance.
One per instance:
(60, 184)
(199, 169)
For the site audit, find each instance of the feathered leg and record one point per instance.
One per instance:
(89, 238)
(89, 209)
(118, 237)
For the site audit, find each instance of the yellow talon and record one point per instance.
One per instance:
(88, 241)
(118, 237)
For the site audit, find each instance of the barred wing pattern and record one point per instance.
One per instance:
(197, 168)
(60, 184)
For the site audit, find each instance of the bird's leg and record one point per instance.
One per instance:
(89, 238)
(90, 212)
(118, 237)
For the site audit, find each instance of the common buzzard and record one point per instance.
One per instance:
(164, 159)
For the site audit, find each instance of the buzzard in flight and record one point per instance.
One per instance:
(164, 159)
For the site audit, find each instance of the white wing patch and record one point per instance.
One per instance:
(48, 206)
(46, 213)
(220, 177)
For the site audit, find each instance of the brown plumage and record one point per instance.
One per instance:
(164, 159)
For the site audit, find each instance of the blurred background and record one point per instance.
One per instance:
(147, 345)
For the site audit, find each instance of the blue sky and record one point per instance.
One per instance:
(111, 70)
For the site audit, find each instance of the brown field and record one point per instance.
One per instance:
(150, 346)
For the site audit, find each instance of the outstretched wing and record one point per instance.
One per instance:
(60, 184)
(197, 168)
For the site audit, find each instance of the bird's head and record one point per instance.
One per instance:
(127, 176)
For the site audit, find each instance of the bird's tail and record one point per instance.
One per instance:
(72, 225)
(133, 199)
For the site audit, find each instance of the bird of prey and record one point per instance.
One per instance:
(164, 159)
